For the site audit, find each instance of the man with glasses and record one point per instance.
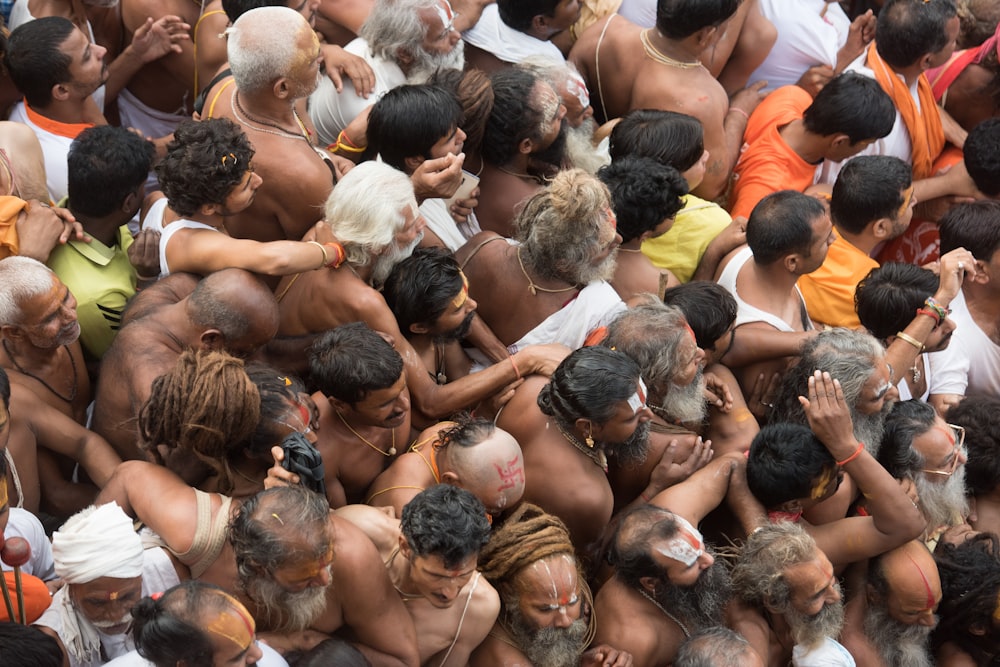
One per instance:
(920, 446)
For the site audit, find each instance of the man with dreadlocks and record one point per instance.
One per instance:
(198, 417)
(969, 631)
(546, 612)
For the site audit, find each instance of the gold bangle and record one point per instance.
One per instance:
(911, 340)
(326, 258)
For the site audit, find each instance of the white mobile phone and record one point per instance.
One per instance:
(469, 183)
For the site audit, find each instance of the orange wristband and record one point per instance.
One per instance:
(856, 454)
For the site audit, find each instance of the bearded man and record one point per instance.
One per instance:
(593, 408)
(404, 41)
(857, 361)
(101, 558)
(667, 583)
(546, 608)
(550, 286)
(922, 447)
(300, 567)
(782, 573)
(890, 618)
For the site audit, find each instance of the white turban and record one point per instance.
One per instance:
(97, 542)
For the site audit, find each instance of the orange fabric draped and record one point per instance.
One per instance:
(926, 132)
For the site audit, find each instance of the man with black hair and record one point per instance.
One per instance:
(667, 583)
(432, 555)
(523, 145)
(364, 408)
(409, 125)
(593, 407)
(790, 471)
(872, 203)
(969, 629)
(107, 173)
(970, 364)
(886, 300)
(788, 235)
(789, 133)
(979, 416)
(429, 295)
(645, 196)
(661, 68)
(982, 156)
(510, 31)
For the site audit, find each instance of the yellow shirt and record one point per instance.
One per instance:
(681, 249)
(829, 290)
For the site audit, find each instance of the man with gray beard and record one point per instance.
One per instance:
(551, 285)
(890, 619)
(404, 41)
(546, 608)
(857, 361)
(793, 470)
(657, 337)
(922, 447)
(300, 567)
(788, 600)
(667, 583)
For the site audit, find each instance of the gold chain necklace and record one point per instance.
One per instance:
(599, 458)
(392, 447)
(532, 287)
(660, 57)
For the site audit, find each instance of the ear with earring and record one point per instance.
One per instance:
(589, 440)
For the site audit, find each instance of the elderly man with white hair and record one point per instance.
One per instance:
(106, 570)
(404, 41)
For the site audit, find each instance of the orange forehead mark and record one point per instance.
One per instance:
(462, 296)
(234, 624)
(691, 331)
(742, 414)
(927, 585)
(4, 500)
(821, 486)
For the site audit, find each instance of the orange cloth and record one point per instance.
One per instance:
(10, 209)
(924, 125)
(767, 164)
(921, 242)
(36, 597)
(829, 290)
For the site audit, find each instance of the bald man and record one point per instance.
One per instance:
(229, 310)
(890, 618)
(475, 456)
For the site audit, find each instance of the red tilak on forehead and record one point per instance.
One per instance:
(691, 331)
(927, 585)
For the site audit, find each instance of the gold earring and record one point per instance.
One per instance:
(589, 440)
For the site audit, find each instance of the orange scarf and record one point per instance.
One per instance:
(926, 132)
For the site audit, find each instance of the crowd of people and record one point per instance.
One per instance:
(500, 333)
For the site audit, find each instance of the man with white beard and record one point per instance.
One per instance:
(404, 41)
(299, 567)
(377, 233)
(101, 559)
(789, 600)
(920, 446)
(857, 361)
(889, 620)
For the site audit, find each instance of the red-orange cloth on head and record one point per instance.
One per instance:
(36, 597)
(924, 125)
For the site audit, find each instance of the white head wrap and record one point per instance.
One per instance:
(97, 542)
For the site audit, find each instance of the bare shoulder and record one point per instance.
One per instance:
(498, 650)
(375, 523)
(475, 247)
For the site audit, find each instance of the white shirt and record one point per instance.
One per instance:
(970, 365)
(494, 36)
